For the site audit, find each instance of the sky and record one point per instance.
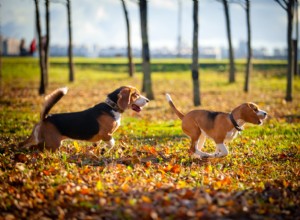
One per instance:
(102, 23)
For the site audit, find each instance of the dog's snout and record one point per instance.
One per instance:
(147, 100)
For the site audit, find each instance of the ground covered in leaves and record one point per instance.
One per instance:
(149, 174)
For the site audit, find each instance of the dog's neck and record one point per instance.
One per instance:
(236, 123)
(113, 105)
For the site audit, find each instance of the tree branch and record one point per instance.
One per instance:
(283, 5)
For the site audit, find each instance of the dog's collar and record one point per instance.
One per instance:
(235, 124)
(113, 105)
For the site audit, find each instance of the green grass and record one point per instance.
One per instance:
(149, 173)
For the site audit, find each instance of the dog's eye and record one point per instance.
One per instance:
(135, 95)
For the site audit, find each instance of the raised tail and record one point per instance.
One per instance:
(51, 100)
(173, 107)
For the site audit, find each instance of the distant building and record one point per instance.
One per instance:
(241, 51)
(10, 46)
(279, 53)
(62, 51)
(210, 53)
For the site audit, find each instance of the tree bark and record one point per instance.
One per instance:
(296, 66)
(249, 48)
(47, 40)
(290, 8)
(1, 89)
(147, 83)
(42, 88)
(231, 53)
(70, 46)
(195, 64)
(129, 51)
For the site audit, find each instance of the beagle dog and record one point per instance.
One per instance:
(94, 124)
(219, 126)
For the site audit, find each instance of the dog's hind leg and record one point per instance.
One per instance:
(199, 144)
(33, 139)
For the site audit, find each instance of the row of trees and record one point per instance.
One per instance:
(289, 5)
(43, 42)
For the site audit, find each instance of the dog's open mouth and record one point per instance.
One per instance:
(136, 108)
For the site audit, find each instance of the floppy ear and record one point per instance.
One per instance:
(124, 98)
(252, 106)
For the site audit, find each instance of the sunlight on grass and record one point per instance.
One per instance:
(149, 172)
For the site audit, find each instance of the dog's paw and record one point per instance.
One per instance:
(219, 155)
(195, 156)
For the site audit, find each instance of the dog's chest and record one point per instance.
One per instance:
(231, 135)
(118, 121)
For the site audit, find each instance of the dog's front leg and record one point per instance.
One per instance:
(111, 142)
(198, 148)
(221, 150)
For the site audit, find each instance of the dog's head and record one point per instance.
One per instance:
(252, 114)
(128, 97)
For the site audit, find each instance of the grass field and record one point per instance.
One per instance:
(149, 174)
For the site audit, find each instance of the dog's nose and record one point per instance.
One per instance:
(147, 100)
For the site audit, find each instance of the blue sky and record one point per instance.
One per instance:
(102, 23)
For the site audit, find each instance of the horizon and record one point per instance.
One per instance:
(102, 23)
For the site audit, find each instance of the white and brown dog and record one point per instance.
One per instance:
(219, 126)
(94, 124)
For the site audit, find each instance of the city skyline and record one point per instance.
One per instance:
(102, 23)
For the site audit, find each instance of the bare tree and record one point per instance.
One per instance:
(70, 47)
(42, 88)
(195, 65)
(288, 6)
(296, 40)
(1, 89)
(246, 6)
(147, 82)
(46, 42)
(129, 51)
(230, 48)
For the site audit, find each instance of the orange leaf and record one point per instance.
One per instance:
(176, 168)
(84, 191)
(146, 199)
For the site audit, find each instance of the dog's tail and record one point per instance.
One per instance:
(177, 112)
(51, 100)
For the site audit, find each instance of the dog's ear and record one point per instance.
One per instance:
(253, 106)
(124, 98)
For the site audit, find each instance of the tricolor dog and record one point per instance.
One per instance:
(219, 126)
(94, 124)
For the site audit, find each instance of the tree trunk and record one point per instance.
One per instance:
(147, 83)
(129, 51)
(195, 65)
(296, 67)
(231, 54)
(290, 8)
(1, 89)
(47, 40)
(70, 47)
(42, 88)
(249, 48)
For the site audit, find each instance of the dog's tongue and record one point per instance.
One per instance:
(136, 108)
